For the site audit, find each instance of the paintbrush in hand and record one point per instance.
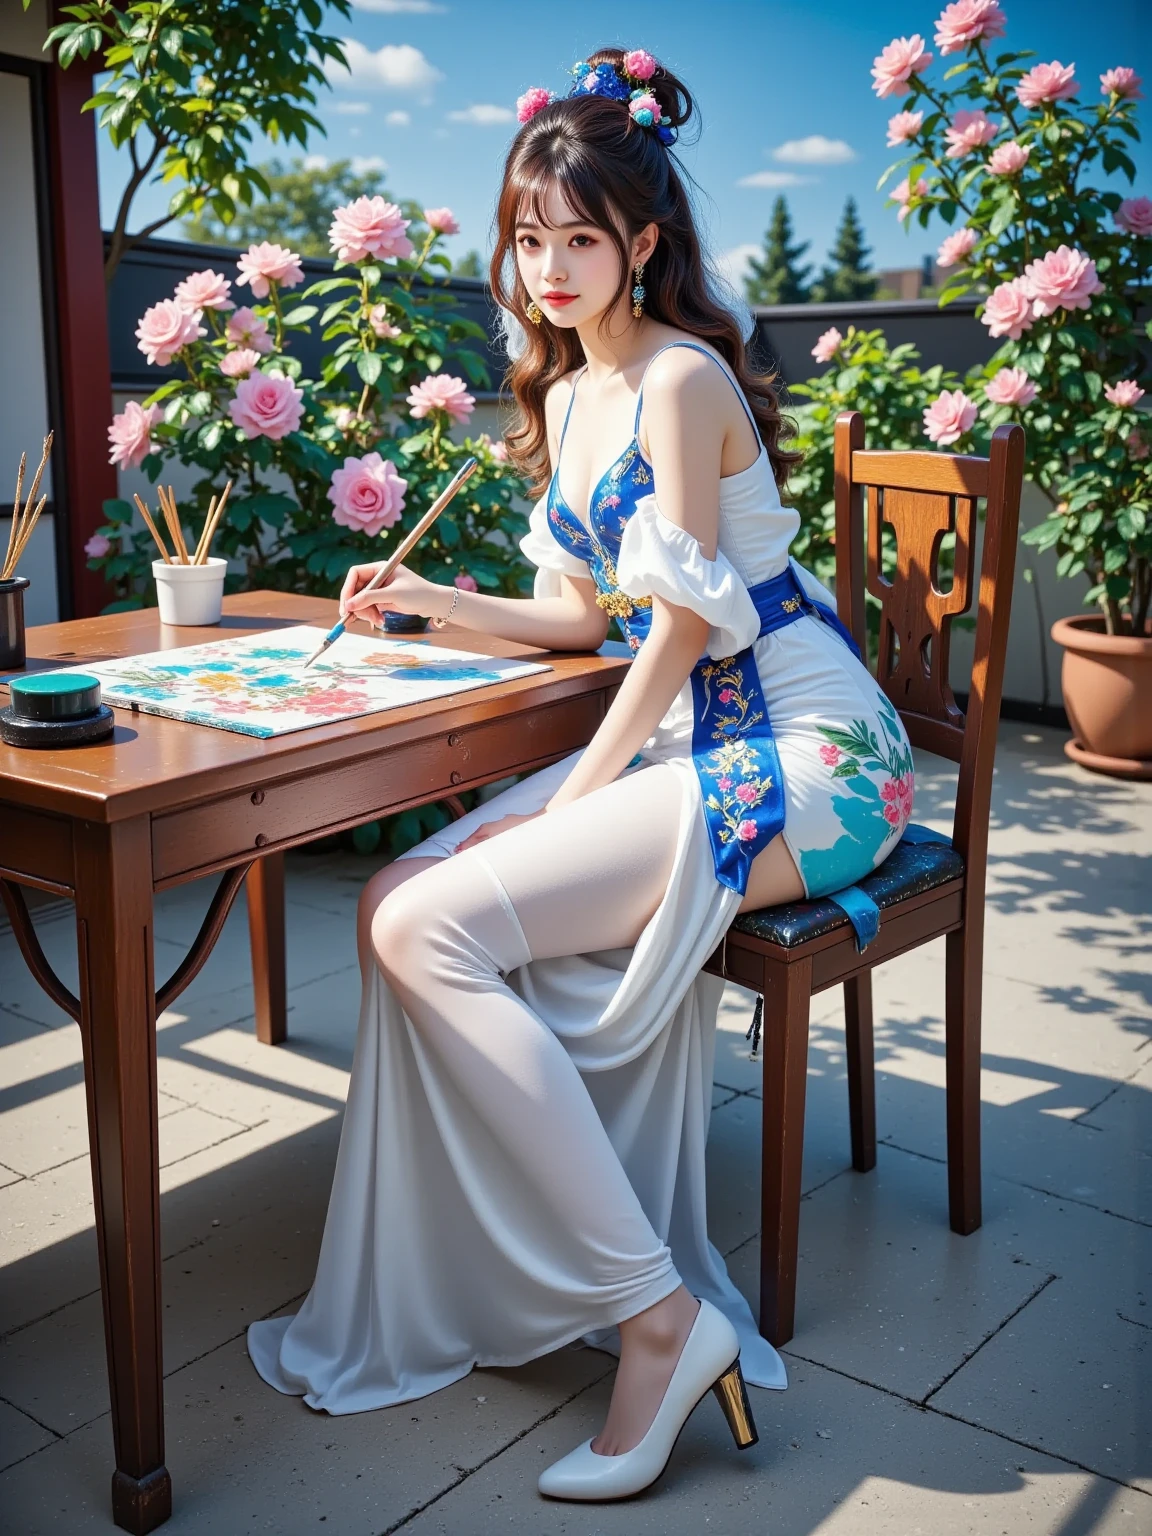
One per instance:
(406, 544)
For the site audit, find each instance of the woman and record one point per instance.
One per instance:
(522, 1160)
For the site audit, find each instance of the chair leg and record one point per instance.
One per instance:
(861, 1070)
(787, 1000)
(963, 967)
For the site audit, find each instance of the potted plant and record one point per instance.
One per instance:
(1006, 153)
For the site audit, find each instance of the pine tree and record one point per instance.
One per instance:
(846, 277)
(777, 276)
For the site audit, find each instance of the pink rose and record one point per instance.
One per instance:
(240, 363)
(724, 784)
(825, 349)
(1008, 159)
(246, 329)
(969, 131)
(955, 248)
(968, 21)
(891, 815)
(264, 264)
(165, 328)
(381, 325)
(1124, 393)
(639, 64)
(904, 126)
(466, 583)
(1011, 386)
(830, 755)
(726, 695)
(949, 416)
(1008, 310)
(1064, 278)
(1121, 82)
(888, 790)
(903, 195)
(97, 547)
(499, 451)
(367, 494)
(746, 831)
(369, 227)
(1134, 216)
(645, 103)
(442, 220)
(1136, 445)
(267, 405)
(131, 434)
(533, 100)
(441, 392)
(1046, 83)
(204, 290)
(894, 65)
(746, 794)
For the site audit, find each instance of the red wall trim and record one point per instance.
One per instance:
(85, 372)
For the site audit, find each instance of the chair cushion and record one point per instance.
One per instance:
(909, 870)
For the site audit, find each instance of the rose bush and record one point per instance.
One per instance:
(322, 469)
(1011, 153)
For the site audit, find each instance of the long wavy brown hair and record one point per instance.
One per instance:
(618, 176)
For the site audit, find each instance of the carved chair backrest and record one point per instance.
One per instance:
(921, 497)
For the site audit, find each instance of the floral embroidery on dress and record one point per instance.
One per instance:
(849, 752)
(739, 713)
(737, 772)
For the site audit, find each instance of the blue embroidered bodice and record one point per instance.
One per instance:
(613, 500)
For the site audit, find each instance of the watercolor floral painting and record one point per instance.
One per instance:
(257, 685)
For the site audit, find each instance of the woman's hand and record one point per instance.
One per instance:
(403, 592)
(492, 828)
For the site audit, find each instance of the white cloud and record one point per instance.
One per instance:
(315, 162)
(774, 179)
(362, 164)
(483, 114)
(352, 108)
(395, 67)
(399, 7)
(398, 119)
(815, 150)
(733, 264)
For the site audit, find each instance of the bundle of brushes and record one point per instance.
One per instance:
(171, 515)
(23, 520)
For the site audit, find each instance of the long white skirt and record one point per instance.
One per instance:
(437, 1255)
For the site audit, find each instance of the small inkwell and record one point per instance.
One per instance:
(55, 709)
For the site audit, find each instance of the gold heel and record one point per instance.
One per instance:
(732, 1395)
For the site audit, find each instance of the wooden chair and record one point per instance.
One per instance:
(787, 953)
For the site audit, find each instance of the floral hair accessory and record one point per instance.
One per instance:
(625, 83)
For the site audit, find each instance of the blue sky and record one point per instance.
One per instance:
(434, 85)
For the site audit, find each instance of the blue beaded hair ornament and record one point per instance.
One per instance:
(624, 82)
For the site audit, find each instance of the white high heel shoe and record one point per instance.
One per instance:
(710, 1359)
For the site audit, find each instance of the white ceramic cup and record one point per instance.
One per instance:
(190, 594)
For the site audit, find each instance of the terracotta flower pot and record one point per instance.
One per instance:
(1107, 683)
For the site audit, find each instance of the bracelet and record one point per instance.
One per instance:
(440, 623)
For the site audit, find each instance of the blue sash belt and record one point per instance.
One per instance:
(733, 748)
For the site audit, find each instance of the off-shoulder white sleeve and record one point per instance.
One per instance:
(658, 558)
(549, 557)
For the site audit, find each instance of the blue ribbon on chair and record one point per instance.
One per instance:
(861, 911)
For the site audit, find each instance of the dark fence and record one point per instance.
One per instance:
(786, 332)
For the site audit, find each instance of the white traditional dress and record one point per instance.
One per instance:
(428, 1264)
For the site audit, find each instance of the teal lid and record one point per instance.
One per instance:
(54, 695)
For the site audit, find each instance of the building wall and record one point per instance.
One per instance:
(24, 379)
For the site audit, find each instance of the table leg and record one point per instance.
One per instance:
(265, 889)
(118, 1028)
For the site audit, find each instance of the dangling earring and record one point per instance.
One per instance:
(638, 291)
(534, 312)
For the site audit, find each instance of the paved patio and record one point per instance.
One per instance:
(996, 1383)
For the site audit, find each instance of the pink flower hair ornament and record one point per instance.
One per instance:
(625, 82)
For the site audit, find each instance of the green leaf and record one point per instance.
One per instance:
(302, 313)
(117, 510)
(368, 366)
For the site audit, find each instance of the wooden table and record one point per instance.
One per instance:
(163, 802)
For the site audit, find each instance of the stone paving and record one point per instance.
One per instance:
(996, 1383)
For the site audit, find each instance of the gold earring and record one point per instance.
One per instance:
(534, 312)
(638, 291)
